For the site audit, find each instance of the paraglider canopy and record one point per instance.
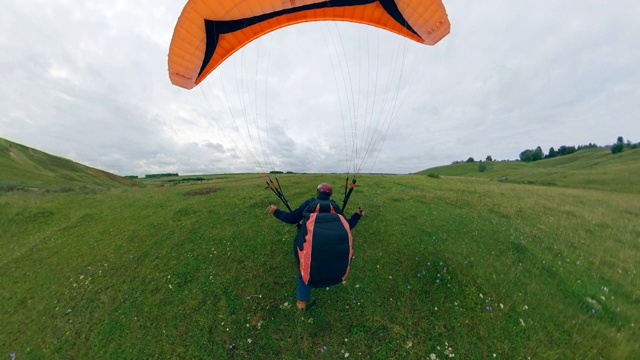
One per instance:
(209, 31)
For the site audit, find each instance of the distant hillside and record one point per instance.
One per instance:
(588, 168)
(24, 167)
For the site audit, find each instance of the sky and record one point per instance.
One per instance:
(88, 81)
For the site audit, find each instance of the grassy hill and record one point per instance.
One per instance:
(587, 168)
(24, 167)
(452, 267)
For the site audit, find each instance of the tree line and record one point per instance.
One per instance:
(529, 155)
(536, 154)
(155, 176)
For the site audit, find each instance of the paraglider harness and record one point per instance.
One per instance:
(323, 247)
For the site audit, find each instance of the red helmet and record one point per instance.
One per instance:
(324, 187)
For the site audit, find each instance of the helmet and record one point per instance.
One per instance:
(324, 187)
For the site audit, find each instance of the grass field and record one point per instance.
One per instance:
(462, 267)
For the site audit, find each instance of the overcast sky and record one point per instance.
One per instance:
(87, 80)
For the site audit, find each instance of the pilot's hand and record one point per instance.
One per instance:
(271, 209)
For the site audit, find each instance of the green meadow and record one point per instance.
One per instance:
(459, 265)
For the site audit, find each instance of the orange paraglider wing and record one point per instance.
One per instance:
(209, 31)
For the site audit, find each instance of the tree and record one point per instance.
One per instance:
(489, 158)
(470, 160)
(618, 146)
(552, 153)
(566, 150)
(526, 155)
(538, 154)
(532, 155)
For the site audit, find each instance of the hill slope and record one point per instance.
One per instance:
(22, 166)
(588, 168)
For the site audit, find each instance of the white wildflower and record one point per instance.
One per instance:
(448, 350)
(286, 305)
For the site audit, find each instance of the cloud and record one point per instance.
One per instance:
(88, 81)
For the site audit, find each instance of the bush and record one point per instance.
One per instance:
(482, 167)
(617, 147)
(8, 187)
